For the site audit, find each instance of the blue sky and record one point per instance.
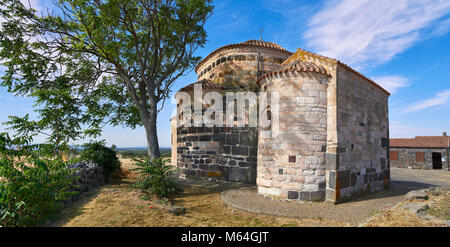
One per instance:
(403, 45)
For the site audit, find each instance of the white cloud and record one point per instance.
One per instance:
(363, 31)
(392, 83)
(442, 29)
(35, 4)
(441, 99)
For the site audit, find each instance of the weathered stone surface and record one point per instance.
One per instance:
(176, 210)
(332, 161)
(416, 207)
(416, 195)
(293, 195)
(342, 179)
(88, 175)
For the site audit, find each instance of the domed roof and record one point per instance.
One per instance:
(205, 83)
(248, 43)
(267, 44)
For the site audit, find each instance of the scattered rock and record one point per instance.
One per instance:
(417, 195)
(176, 210)
(416, 207)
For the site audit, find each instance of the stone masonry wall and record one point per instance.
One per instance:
(407, 158)
(291, 165)
(88, 175)
(174, 144)
(361, 163)
(226, 153)
(222, 153)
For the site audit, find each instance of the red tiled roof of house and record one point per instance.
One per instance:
(421, 142)
(248, 43)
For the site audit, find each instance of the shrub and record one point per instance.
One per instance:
(155, 176)
(32, 189)
(103, 156)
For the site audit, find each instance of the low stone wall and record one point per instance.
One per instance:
(89, 176)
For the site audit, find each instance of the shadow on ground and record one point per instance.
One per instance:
(117, 179)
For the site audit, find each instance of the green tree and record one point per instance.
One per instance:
(134, 50)
(62, 117)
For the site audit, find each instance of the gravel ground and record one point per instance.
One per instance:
(354, 212)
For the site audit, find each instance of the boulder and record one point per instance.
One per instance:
(176, 210)
(416, 207)
(420, 195)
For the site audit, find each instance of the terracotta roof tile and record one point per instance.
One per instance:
(265, 44)
(421, 142)
(347, 67)
(249, 43)
(297, 66)
(206, 84)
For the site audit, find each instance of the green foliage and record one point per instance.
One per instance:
(155, 176)
(61, 83)
(97, 153)
(166, 153)
(32, 189)
(92, 62)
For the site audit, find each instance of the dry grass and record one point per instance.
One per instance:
(117, 204)
(441, 207)
(399, 217)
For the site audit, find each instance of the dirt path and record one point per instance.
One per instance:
(350, 213)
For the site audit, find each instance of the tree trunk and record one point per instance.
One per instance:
(149, 117)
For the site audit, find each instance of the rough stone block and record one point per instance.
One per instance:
(236, 150)
(317, 195)
(332, 161)
(304, 196)
(342, 179)
(232, 139)
(293, 195)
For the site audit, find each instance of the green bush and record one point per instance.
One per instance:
(99, 154)
(154, 176)
(32, 189)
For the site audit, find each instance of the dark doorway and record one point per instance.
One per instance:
(437, 161)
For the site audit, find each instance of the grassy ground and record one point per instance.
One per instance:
(439, 209)
(118, 204)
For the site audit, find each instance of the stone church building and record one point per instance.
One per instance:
(332, 140)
